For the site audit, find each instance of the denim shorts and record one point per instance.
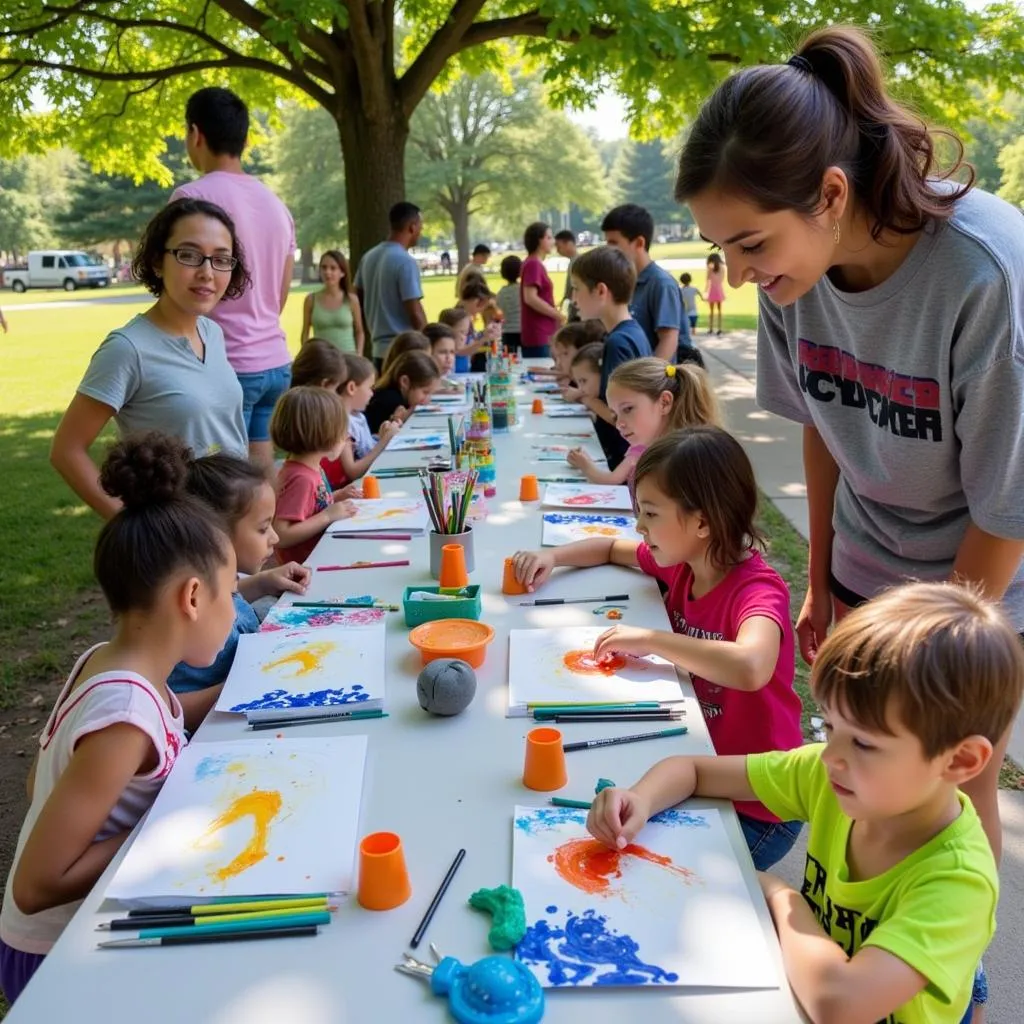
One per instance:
(769, 841)
(260, 392)
(693, 318)
(979, 993)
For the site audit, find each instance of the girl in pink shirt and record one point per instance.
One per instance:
(310, 424)
(696, 502)
(650, 398)
(167, 570)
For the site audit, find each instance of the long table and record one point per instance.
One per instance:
(441, 784)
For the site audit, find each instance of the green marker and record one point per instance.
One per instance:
(561, 801)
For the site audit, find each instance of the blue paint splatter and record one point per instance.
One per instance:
(585, 951)
(674, 817)
(211, 767)
(546, 819)
(571, 518)
(291, 617)
(274, 699)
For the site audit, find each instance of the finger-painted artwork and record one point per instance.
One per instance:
(400, 515)
(408, 442)
(306, 670)
(671, 908)
(557, 666)
(249, 817)
(566, 527)
(587, 496)
(290, 617)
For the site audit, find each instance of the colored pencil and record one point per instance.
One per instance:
(584, 709)
(362, 565)
(235, 906)
(388, 474)
(181, 920)
(160, 927)
(206, 935)
(436, 901)
(561, 479)
(637, 737)
(563, 801)
(573, 600)
(372, 536)
(345, 604)
(284, 723)
(652, 716)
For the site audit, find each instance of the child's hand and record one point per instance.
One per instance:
(348, 491)
(571, 394)
(579, 459)
(616, 816)
(399, 416)
(340, 510)
(532, 568)
(388, 429)
(625, 640)
(290, 578)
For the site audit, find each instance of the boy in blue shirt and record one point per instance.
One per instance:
(603, 280)
(899, 892)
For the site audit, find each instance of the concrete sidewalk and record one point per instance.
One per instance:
(774, 447)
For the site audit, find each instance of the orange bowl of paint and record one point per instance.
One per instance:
(466, 639)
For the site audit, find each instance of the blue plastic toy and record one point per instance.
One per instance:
(494, 990)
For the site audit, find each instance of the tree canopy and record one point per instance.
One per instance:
(115, 76)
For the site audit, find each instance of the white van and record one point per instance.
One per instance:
(57, 268)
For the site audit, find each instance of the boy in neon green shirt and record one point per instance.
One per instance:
(900, 886)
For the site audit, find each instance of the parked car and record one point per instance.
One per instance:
(57, 268)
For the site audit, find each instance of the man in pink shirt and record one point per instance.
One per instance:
(218, 126)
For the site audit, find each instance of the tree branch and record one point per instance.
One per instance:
(442, 45)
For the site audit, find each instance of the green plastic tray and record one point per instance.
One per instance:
(417, 612)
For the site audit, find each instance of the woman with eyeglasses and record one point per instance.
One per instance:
(165, 369)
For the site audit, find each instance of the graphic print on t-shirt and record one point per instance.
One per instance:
(702, 688)
(904, 405)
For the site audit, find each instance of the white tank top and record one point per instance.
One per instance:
(102, 700)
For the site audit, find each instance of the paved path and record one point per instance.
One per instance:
(774, 447)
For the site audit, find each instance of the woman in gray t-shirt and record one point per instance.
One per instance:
(890, 327)
(166, 369)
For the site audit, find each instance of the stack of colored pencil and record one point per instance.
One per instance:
(448, 511)
(639, 711)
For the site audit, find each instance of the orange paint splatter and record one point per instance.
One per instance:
(600, 531)
(589, 865)
(306, 659)
(586, 664)
(279, 859)
(262, 805)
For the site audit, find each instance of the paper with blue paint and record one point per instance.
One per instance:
(306, 672)
(405, 442)
(566, 527)
(672, 909)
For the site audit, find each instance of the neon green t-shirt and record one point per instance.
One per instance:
(935, 910)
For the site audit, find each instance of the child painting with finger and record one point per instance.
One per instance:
(696, 500)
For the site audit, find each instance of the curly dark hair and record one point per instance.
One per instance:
(153, 244)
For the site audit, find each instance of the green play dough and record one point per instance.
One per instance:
(505, 905)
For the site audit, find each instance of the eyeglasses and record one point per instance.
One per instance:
(194, 258)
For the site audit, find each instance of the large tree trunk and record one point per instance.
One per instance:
(459, 211)
(306, 254)
(374, 154)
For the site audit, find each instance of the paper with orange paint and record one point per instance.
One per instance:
(306, 672)
(557, 666)
(249, 817)
(377, 515)
(588, 497)
(671, 909)
(567, 527)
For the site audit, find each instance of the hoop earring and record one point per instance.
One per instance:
(836, 232)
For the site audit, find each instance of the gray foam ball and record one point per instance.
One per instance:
(446, 686)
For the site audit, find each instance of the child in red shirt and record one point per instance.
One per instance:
(310, 424)
(696, 501)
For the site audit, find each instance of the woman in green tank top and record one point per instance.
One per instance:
(333, 313)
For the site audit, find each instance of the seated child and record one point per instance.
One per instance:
(650, 398)
(568, 340)
(309, 424)
(899, 892)
(407, 341)
(239, 492)
(410, 382)
(696, 505)
(167, 571)
(357, 458)
(442, 351)
(319, 364)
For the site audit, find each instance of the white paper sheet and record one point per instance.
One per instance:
(670, 909)
(391, 515)
(555, 666)
(588, 496)
(565, 527)
(249, 817)
(419, 441)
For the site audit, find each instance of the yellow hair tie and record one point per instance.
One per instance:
(670, 370)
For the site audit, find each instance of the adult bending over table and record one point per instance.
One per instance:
(890, 326)
(166, 369)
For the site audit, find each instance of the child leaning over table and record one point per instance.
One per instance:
(899, 892)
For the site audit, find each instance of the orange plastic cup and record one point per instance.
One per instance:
(509, 583)
(529, 490)
(371, 487)
(538, 405)
(383, 877)
(544, 768)
(453, 566)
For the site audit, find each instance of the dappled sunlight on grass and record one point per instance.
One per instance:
(73, 511)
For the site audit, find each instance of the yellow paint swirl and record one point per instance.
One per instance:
(262, 805)
(305, 660)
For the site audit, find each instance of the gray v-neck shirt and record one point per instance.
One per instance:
(155, 381)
